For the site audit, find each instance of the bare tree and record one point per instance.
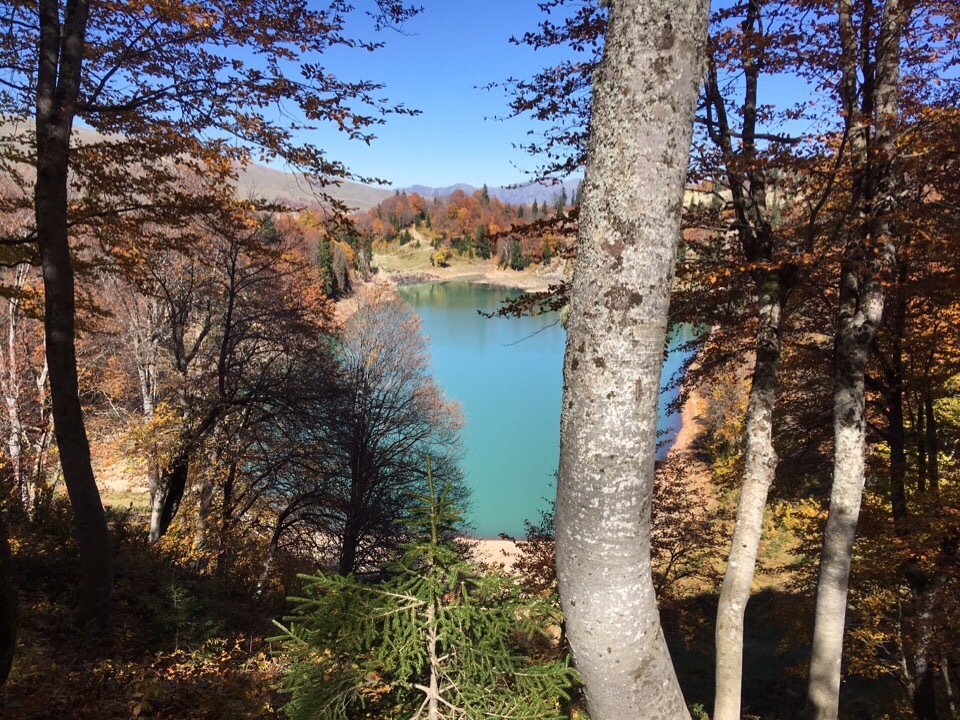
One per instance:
(394, 415)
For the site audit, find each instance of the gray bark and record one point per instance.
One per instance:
(870, 252)
(642, 115)
(931, 443)
(759, 470)
(948, 685)
(747, 179)
(11, 391)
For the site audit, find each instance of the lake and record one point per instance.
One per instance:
(507, 374)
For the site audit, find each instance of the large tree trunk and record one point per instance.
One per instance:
(58, 82)
(759, 470)
(869, 254)
(644, 97)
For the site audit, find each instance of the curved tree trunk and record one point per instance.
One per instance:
(644, 98)
(760, 468)
(58, 82)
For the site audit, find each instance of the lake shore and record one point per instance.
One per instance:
(489, 551)
(395, 270)
(413, 266)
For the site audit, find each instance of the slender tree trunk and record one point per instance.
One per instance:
(201, 526)
(850, 355)
(931, 443)
(347, 562)
(948, 686)
(926, 593)
(869, 254)
(643, 103)
(897, 433)
(58, 82)
(759, 470)
(433, 693)
(922, 468)
(11, 387)
(173, 483)
(268, 563)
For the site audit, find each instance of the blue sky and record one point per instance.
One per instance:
(438, 66)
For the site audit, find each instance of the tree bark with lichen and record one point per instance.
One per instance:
(645, 92)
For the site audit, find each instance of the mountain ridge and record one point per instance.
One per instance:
(514, 195)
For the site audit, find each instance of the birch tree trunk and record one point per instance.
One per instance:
(644, 97)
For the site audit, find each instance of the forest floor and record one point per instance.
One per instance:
(181, 643)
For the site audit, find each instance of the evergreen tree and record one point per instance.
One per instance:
(485, 194)
(520, 211)
(518, 261)
(324, 260)
(483, 242)
(437, 639)
(268, 231)
(534, 210)
(561, 201)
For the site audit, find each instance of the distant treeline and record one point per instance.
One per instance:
(475, 225)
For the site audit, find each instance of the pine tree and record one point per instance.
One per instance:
(432, 640)
(534, 211)
(518, 261)
(483, 242)
(324, 260)
(561, 202)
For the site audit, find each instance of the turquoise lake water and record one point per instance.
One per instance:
(507, 374)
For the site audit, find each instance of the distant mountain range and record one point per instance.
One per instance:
(515, 195)
(276, 185)
(272, 185)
